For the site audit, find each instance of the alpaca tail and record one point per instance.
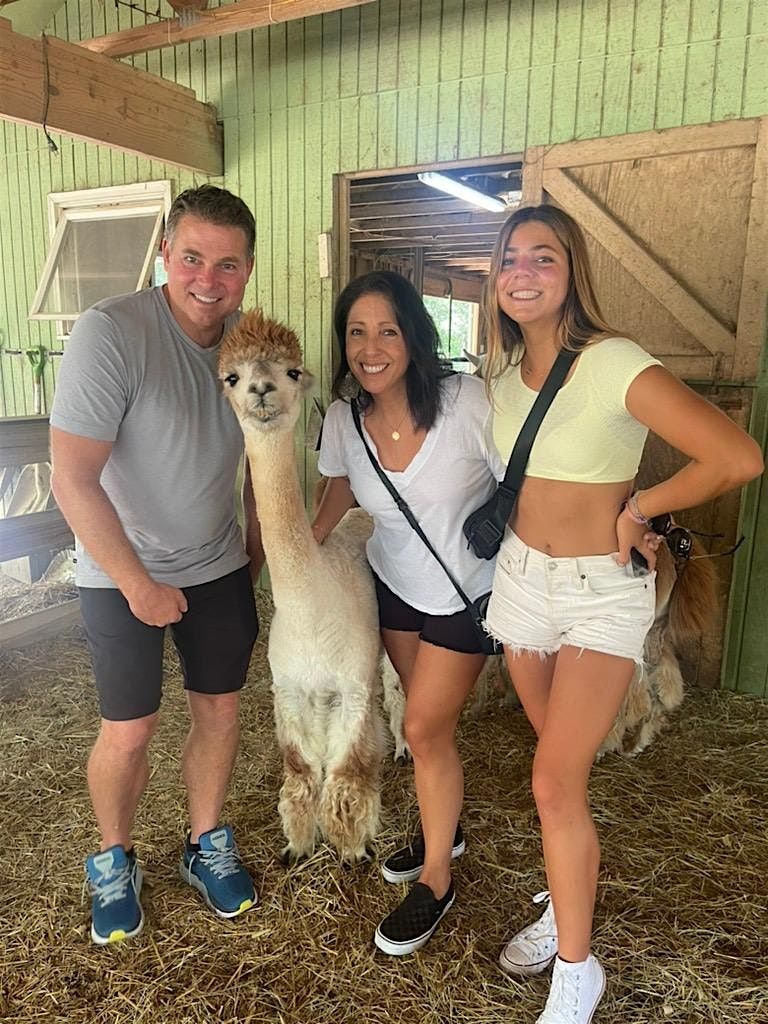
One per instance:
(693, 603)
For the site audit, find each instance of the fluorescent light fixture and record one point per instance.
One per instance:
(462, 191)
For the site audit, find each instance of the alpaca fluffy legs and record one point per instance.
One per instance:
(302, 774)
(350, 802)
(394, 705)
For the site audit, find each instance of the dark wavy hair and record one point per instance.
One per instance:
(426, 368)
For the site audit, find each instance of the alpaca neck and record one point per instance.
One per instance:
(290, 548)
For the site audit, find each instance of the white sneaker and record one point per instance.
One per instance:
(575, 992)
(533, 949)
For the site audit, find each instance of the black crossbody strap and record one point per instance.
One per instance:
(518, 460)
(403, 505)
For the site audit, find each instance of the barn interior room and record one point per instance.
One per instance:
(646, 120)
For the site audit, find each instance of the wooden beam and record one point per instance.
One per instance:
(665, 142)
(434, 224)
(533, 171)
(24, 441)
(39, 625)
(750, 329)
(100, 100)
(412, 208)
(38, 531)
(665, 288)
(221, 21)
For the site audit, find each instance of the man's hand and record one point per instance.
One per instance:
(156, 604)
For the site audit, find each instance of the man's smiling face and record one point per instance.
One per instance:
(208, 267)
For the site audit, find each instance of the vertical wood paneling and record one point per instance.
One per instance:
(702, 60)
(448, 107)
(618, 69)
(755, 101)
(567, 69)
(745, 655)
(592, 42)
(386, 69)
(384, 85)
(470, 117)
(731, 59)
(518, 76)
(673, 59)
(540, 100)
(645, 66)
(407, 108)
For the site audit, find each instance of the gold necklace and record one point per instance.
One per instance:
(394, 432)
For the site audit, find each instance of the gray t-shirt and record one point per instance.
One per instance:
(130, 375)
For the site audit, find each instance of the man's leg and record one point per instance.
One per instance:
(214, 640)
(118, 769)
(127, 663)
(209, 756)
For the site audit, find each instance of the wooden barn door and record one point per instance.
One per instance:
(678, 236)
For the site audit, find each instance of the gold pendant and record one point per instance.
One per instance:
(395, 435)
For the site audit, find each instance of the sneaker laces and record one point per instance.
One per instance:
(544, 929)
(562, 1006)
(221, 863)
(111, 886)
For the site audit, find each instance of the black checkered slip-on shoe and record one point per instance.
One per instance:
(411, 925)
(406, 865)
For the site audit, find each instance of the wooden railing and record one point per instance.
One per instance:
(23, 442)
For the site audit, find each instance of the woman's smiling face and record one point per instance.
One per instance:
(376, 350)
(534, 276)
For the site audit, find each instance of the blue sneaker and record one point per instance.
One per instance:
(217, 872)
(114, 879)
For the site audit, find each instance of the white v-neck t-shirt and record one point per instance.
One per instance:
(455, 470)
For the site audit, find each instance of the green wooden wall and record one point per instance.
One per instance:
(394, 83)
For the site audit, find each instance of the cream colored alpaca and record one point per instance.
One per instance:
(324, 639)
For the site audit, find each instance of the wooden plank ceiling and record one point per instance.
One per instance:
(392, 218)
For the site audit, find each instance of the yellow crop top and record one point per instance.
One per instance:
(587, 434)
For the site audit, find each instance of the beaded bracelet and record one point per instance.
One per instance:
(634, 511)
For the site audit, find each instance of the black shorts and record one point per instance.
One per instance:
(214, 640)
(453, 632)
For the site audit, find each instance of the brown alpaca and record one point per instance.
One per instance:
(686, 605)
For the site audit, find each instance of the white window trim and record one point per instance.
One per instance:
(106, 203)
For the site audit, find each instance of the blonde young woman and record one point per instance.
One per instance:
(568, 606)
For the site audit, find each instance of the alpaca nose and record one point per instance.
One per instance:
(262, 387)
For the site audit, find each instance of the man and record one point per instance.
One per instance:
(145, 453)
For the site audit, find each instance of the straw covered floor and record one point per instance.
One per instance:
(681, 922)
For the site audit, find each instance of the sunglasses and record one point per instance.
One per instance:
(679, 540)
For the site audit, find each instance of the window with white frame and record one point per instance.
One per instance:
(104, 242)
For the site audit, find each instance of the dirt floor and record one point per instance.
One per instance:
(682, 915)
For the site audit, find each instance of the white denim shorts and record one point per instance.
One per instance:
(540, 603)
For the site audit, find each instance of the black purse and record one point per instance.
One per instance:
(484, 528)
(476, 608)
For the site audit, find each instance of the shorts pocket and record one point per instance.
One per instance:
(621, 586)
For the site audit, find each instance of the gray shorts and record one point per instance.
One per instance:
(539, 603)
(214, 640)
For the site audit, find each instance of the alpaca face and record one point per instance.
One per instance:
(265, 394)
(261, 373)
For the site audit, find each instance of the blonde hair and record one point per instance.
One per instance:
(581, 320)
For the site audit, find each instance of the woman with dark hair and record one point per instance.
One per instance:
(428, 429)
(570, 604)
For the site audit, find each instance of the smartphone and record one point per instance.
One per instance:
(639, 563)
